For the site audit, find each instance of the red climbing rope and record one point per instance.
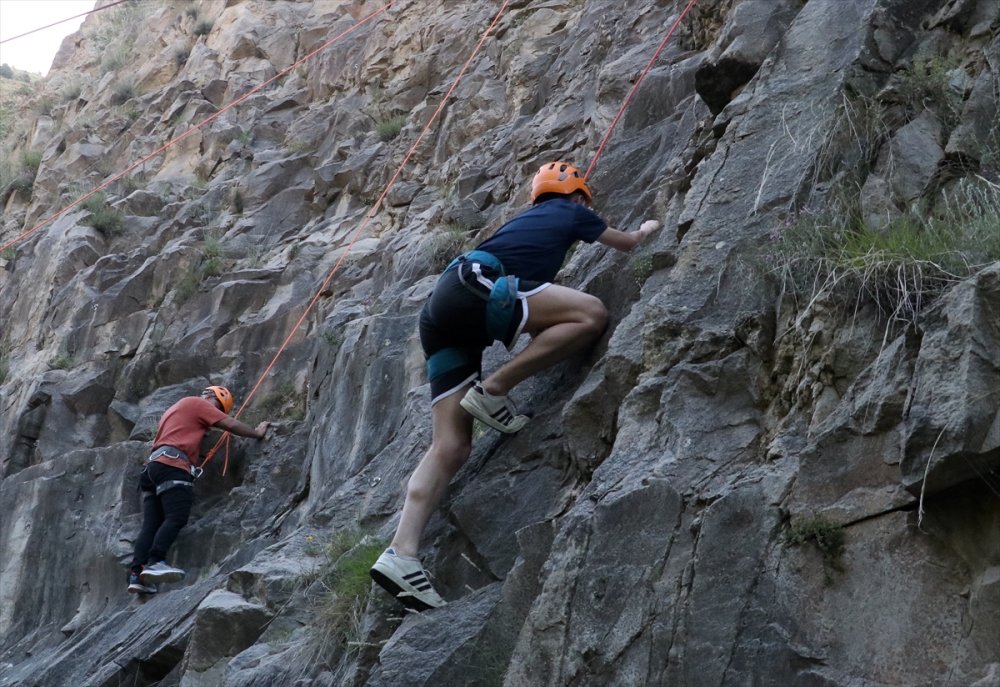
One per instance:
(631, 93)
(364, 223)
(178, 139)
(61, 21)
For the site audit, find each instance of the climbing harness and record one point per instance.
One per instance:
(174, 452)
(502, 297)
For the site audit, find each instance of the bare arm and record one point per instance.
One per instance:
(231, 424)
(626, 241)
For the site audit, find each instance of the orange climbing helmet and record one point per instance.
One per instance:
(224, 396)
(559, 177)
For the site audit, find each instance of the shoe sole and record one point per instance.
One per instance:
(486, 419)
(401, 595)
(136, 590)
(159, 577)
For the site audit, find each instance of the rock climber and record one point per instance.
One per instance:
(167, 480)
(504, 285)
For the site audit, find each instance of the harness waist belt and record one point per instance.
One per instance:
(171, 483)
(479, 256)
(170, 452)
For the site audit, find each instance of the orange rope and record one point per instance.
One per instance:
(631, 93)
(49, 26)
(194, 128)
(364, 223)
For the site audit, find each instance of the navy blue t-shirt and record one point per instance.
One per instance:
(533, 244)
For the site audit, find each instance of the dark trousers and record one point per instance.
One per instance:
(163, 515)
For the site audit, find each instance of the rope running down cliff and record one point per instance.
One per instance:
(196, 127)
(224, 439)
(631, 93)
(357, 232)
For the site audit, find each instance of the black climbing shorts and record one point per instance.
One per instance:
(453, 329)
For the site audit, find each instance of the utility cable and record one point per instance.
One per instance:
(62, 21)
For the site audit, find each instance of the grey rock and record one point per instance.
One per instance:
(952, 428)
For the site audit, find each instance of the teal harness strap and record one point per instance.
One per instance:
(448, 359)
(500, 307)
(480, 256)
(502, 300)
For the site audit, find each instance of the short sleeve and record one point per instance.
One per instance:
(587, 224)
(209, 413)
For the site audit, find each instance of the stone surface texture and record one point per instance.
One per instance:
(636, 532)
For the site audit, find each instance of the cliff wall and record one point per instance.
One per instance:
(778, 467)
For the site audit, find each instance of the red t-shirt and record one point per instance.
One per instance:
(184, 426)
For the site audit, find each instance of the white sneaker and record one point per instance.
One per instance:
(496, 411)
(406, 580)
(160, 572)
(136, 586)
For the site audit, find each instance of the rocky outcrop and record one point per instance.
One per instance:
(738, 485)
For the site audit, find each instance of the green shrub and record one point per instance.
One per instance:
(389, 129)
(6, 119)
(642, 268)
(124, 91)
(43, 106)
(62, 361)
(203, 28)
(6, 71)
(926, 85)
(345, 583)
(210, 267)
(826, 537)
(30, 160)
(103, 217)
(186, 286)
(111, 41)
(333, 338)
(19, 184)
(71, 91)
(445, 246)
(212, 247)
(284, 403)
(901, 265)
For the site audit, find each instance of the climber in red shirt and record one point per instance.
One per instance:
(168, 477)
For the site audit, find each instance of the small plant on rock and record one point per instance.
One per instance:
(62, 361)
(345, 583)
(285, 403)
(103, 217)
(901, 265)
(388, 129)
(827, 537)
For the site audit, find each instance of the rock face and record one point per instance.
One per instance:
(667, 516)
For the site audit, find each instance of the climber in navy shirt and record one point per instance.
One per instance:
(533, 245)
(495, 293)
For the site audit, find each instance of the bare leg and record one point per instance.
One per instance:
(562, 321)
(451, 444)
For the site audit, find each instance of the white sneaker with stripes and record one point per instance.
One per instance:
(496, 411)
(406, 580)
(160, 572)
